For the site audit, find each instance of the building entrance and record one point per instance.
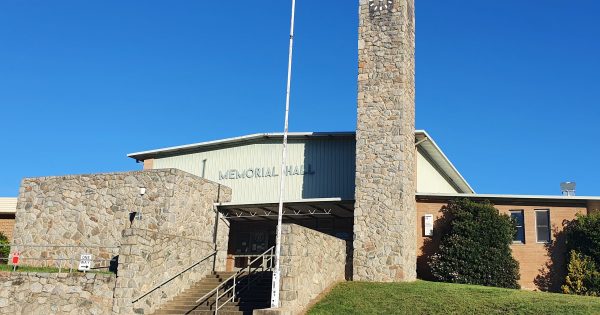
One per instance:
(252, 227)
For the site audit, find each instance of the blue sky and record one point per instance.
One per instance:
(508, 89)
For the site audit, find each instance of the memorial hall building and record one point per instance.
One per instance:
(198, 223)
(320, 187)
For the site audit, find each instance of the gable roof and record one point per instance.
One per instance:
(422, 139)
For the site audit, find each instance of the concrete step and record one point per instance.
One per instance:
(204, 312)
(178, 308)
(189, 310)
(184, 301)
(212, 301)
(202, 290)
(257, 296)
(214, 282)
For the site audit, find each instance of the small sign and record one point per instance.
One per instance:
(428, 224)
(16, 258)
(85, 263)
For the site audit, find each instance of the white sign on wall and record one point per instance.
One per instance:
(428, 225)
(85, 263)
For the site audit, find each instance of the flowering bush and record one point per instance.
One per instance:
(583, 244)
(583, 277)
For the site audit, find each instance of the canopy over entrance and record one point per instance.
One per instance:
(293, 210)
(252, 225)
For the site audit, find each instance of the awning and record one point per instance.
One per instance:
(298, 209)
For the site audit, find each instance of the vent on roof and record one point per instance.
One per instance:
(568, 188)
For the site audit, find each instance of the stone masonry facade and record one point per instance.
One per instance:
(149, 258)
(96, 214)
(92, 211)
(52, 293)
(385, 209)
(311, 262)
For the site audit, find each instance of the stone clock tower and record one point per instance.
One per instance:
(385, 212)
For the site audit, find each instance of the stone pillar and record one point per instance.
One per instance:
(385, 211)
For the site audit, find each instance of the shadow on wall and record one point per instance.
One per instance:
(550, 278)
(330, 169)
(349, 260)
(329, 164)
(553, 274)
(431, 244)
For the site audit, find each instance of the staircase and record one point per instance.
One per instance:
(257, 296)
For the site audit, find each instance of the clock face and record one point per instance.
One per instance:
(380, 5)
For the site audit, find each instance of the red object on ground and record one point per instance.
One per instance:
(15, 258)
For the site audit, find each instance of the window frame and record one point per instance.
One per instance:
(537, 239)
(522, 213)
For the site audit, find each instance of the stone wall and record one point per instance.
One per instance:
(385, 209)
(149, 258)
(311, 262)
(174, 227)
(45, 293)
(92, 211)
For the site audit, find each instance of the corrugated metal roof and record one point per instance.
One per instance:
(229, 141)
(422, 137)
(8, 205)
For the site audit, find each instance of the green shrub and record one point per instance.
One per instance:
(583, 236)
(582, 239)
(475, 246)
(583, 277)
(4, 250)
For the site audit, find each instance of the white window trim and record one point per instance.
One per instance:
(549, 226)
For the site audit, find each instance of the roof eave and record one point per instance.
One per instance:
(140, 156)
(457, 177)
(540, 198)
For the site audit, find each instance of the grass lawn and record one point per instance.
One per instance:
(424, 297)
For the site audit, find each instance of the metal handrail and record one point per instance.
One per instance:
(175, 276)
(234, 277)
(31, 253)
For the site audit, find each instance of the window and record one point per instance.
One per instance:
(518, 218)
(542, 225)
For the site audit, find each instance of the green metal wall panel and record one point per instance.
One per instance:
(319, 168)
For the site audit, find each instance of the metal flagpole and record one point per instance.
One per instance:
(276, 272)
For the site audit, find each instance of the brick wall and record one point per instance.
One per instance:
(541, 265)
(148, 164)
(7, 225)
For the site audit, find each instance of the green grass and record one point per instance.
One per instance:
(4, 267)
(424, 297)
